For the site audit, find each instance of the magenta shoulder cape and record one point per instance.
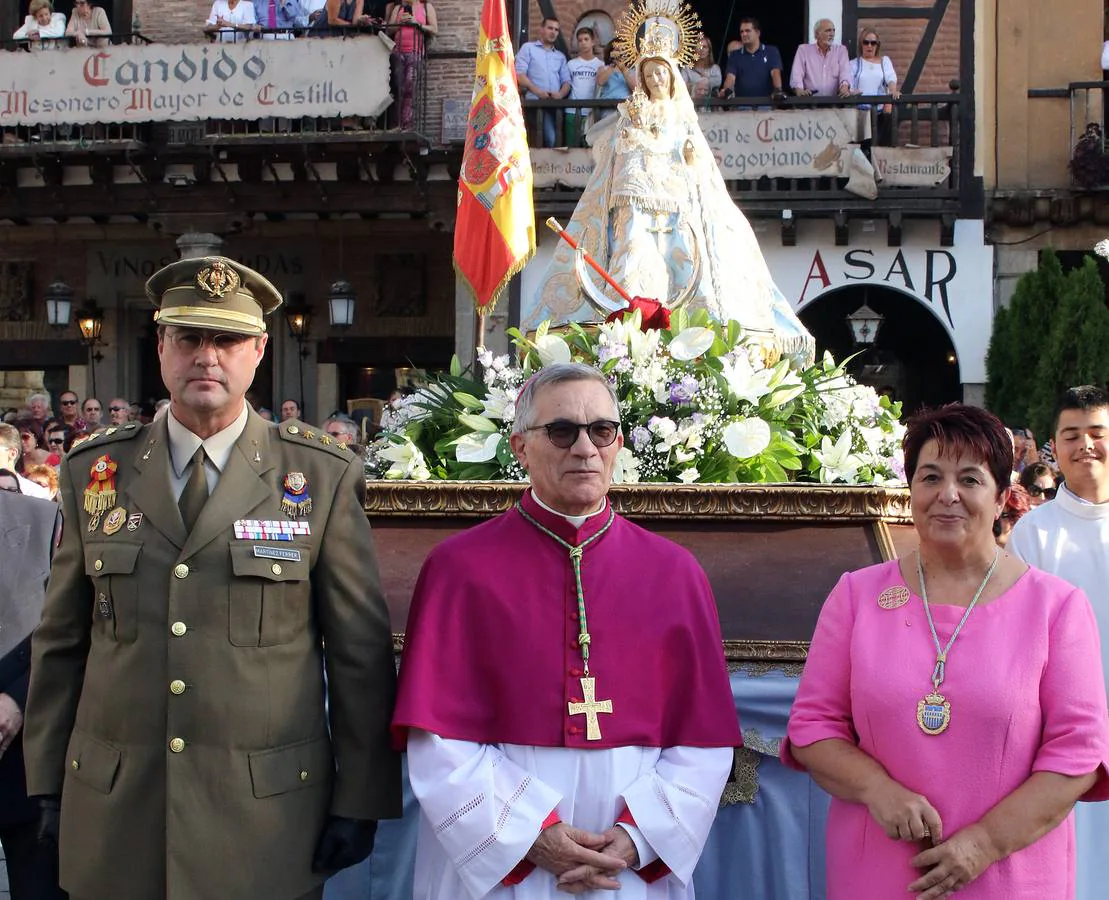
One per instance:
(491, 652)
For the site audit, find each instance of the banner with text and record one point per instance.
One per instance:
(183, 82)
(788, 143)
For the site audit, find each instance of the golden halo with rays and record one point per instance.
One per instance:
(683, 22)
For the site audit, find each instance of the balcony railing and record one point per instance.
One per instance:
(1086, 145)
(61, 43)
(917, 146)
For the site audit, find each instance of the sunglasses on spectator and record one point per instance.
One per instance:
(118, 408)
(69, 403)
(869, 43)
(58, 441)
(27, 436)
(1036, 491)
(564, 434)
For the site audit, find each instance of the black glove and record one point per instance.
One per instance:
(50, 819)
(344, 843)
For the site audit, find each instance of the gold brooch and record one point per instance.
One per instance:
(217, 279)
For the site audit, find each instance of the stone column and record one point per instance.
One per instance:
(194, 244)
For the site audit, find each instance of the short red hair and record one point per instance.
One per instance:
(960, 430)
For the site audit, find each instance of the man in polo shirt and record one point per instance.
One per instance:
(755, 68)
(542, 71)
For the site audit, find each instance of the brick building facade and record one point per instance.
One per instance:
(391, 202)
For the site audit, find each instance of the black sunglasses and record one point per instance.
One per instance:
(69, 403)
(869, 43)
(564, 434)
(56, 441)
(118, 408)
(1036, 491)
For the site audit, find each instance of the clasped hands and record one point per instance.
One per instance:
(948, 865)
(583, 860)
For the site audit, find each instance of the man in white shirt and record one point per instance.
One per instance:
(583, 85)
(1069, 537)
(231, 20)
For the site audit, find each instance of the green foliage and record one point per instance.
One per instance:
(1018, 340)
(1077, 348)
(1054, 335)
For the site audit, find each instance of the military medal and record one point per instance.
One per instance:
(589, 706)
(893, 597)
(115, 520)
(296, 502)
(100, 495)
(933, 713)
(134, 521)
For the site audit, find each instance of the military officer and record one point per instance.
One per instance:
(211, 567)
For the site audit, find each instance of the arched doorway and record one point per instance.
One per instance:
(912, 354)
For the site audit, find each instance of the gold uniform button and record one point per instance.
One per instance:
(180, 570)
(176, 745)
(76, 765)
(293, 429)
(276, 568)
(98, 565)
(303, 776)
(177, 686)
(178, 628)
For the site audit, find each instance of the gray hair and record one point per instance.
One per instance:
(820, 23)
(549, 376)
(45, 398)
(346, 424)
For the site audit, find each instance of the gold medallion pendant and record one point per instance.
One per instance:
(933, 713)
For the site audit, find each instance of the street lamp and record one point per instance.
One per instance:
(59, 304)
(340, 304)
(865, 323)
(298, 316)
(90, 320)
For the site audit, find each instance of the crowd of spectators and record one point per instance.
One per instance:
(33, 439)
(751, 69)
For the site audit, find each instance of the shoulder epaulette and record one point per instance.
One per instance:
(306, 436)
(108, 435)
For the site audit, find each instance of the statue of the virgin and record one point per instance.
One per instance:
(655, 212)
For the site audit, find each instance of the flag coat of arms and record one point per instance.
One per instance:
(494, 232)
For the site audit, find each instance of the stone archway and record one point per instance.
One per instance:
(913, 352)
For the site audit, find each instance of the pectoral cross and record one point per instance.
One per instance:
(660, 229)
(590, 708)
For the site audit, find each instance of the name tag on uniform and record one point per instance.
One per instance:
(270, 529)
(277, 553)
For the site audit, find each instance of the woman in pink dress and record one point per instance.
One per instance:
(952, 702)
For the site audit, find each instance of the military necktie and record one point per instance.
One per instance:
(195, 494)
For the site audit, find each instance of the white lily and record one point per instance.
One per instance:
(407, 461)
(837, 462)
(552, 349)
(745, 381)
(691, 343)
(477, 447)
(747, 438)
(500, 404)
(625, 470)
(688, 476)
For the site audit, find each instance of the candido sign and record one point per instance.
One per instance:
(182, 82)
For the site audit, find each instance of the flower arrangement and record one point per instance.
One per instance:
(698, 404)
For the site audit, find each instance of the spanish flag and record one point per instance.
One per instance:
(494, 232)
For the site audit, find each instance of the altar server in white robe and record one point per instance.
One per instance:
(1069, 537)
(563, 694)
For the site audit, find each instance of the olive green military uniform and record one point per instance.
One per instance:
(177, 699)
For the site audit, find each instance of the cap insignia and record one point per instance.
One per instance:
(217, 279)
